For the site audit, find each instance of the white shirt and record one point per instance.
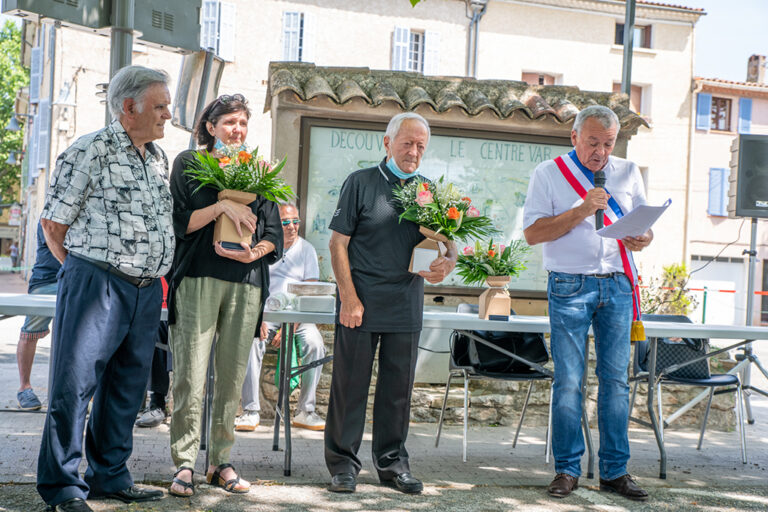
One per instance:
(299, 263)
(581, 250)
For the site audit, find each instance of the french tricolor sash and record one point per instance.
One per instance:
(582, 179)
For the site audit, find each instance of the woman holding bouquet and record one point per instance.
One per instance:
(214, 290)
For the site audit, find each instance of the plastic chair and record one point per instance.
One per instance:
(459, 366)
(640, 373)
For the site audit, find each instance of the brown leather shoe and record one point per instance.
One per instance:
(626, 486)
(563, 485)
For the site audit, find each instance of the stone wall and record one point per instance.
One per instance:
(500, 402)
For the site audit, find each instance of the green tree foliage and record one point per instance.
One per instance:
(668, 295)
(414, 2)
(13, 76)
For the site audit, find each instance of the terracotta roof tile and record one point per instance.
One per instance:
(675, 6)
(409, 90)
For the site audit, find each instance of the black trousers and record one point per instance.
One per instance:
(159, 380)
(353, 355)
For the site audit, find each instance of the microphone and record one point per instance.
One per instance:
(599, 183)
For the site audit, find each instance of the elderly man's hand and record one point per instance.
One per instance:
(638, 243)
(439, 269)
(351, 314)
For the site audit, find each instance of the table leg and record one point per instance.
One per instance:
(651, 408)
(286, 384)
(280, 389)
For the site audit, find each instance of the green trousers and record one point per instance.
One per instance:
(204, 307)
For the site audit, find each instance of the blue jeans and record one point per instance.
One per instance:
(575, 302)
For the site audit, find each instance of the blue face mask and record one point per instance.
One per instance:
(392, 166)
(219, 146)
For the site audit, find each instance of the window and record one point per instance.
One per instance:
(538, 79)
(635, 97)
(217, 28)
(293, 35)
(640, 39)
(415, 50)
(718, 192)
(720, 114)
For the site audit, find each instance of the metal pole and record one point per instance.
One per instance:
(204, 80)
(704, 307)
(629, 29)
(121, 38)
(746, 377)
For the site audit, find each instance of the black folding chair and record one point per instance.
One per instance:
(665, 375)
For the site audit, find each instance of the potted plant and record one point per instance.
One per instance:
(495, 266)
(443, 214)
(240, 176)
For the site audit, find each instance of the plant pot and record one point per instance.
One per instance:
(427, 251)
(495, 300)
(225, 230)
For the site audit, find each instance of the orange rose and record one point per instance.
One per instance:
(491, 253)
(453, 213)
(244, 157)
(424, 186)
(466, 200)
(224, 160)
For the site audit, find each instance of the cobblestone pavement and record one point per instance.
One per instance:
(495, 477)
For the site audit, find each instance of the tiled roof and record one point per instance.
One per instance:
(726, 83)
(409, 90)
(659, 4)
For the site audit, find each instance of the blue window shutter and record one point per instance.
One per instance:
(703, 111)
(718, 192)
(745, 115)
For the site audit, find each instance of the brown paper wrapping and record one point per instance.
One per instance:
(224, 230)
(432, 243)
(495, 300)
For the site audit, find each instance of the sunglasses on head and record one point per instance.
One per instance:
(291, 221)
(226, 98)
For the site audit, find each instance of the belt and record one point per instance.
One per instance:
(138, 282)
(606, 276)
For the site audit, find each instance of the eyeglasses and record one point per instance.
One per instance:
(291, 221)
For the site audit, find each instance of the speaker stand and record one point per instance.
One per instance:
(748, 358)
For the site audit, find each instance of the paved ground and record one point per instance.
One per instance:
(496, 476)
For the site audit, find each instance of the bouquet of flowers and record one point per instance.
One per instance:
(238, 176)
(240, 170)
(443, 209)
(443, 214)
(481, 261)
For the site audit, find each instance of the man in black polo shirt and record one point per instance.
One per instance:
(378, 302)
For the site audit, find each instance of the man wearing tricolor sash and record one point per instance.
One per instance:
(592, 281)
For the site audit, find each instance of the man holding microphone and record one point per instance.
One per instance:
(592, 281)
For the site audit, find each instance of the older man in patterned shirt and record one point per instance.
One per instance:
(107, 218)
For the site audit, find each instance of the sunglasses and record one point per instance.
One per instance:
(226, 98)
(291, 221)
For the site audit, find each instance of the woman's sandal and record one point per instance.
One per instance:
(232, 485)
(186, 485)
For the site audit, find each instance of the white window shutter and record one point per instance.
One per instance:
(35, 74)
(227, 31)
(308, 38)
(43, 133)
(401, 38)
(291, 35)
(431, 52)
(209, 24)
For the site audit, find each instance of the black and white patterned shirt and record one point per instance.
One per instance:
(118, 207)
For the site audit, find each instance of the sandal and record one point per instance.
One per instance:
(186, 485)
(232, 485)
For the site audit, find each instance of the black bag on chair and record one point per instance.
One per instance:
(528, 345)
(671, 352)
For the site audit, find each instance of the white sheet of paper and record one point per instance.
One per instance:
(422, 258)
(635, 223)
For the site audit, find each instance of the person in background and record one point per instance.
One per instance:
(43, 281)
(214, 291)
(299, 263)
(592, 281)
(108, 219)
(14, 250)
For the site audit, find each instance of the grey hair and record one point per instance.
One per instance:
(396, 122)
(606, 116)
(132, 82)
(286, 204)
